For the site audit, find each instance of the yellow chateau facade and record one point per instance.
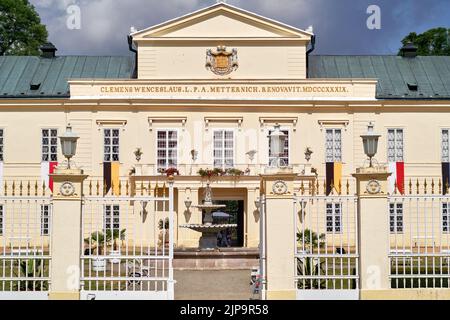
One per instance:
(205, 92)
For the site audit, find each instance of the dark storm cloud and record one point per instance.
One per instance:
(340, 25)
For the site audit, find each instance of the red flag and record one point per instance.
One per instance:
(400, 168)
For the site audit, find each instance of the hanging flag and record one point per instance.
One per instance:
(1, 176)
(333, 176)
(337, 177)
(445, 177)
(329, 178)
(111, 177)
(397, 177)
(48, 168)
(115, 177)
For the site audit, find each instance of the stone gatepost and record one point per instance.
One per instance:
(372, 186)
(278, 189)
(66, 234)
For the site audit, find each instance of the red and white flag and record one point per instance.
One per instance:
(48, 168)
(397, 178)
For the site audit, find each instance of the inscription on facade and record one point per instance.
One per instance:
(223, 89)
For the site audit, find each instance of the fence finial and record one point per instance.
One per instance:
(6, 189)
(120, 187)
(43, 188)
(340, 187)
(36, 187)
(310, 188)
(20, 188)
(142, 188)
(417, 187)
(127, 186)
(302, 188)
(425, 186)
(432, 186)
(348, 187)
(28, 188)
(90, 187)
(98, 188)
(410, 186)
(440, 186)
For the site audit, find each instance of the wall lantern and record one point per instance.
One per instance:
(69, 144)
(188, 203)
(277, 140)
(370, 142)
(258, 203)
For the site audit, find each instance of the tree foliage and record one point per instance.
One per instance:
(434, 42)
(21, 31)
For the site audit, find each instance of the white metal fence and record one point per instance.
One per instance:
(25, 247)
(128, 245)
(326, 256)
(419, 226)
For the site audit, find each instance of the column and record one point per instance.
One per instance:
(66, 234)
(280, 236)
(253, 219)
(372, 186)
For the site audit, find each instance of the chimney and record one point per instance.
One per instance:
(48, 50)
(409, 50)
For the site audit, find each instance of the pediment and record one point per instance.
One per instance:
(224, 21)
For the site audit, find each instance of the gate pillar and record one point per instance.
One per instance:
(372, 186)
(279, 235)
(66, 234)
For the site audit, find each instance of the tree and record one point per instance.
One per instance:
(21, 31)
(434, 42)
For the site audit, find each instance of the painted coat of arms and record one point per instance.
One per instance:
(221, 61)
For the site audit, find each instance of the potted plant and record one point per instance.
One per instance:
(234, 172)
(98, 263)
(31, 268)
(163, 226)
(115, 235)
(172, 171)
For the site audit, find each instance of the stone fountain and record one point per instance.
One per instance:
(208, 240)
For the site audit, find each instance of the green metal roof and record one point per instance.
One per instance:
(398, 77)
(421, 77)
(36, 77)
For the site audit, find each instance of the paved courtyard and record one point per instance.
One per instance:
(212, 285)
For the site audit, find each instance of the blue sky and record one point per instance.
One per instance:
(340, 25)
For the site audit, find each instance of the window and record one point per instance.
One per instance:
(223, 148)
(285, 155)
(333, 145)
(111, 145)
(45, 219)
(111, 217)
(396, 217)
(49, 145)
(334, 217)
(167, 148)
(445, 217)
(1, 145)
(1, 220)
(445, 146)
(395, 145)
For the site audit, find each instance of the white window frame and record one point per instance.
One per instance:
(45, 219)
(177, 130)
(445, 217)
(396, 218)
(342, 145)
(111, 145)
(224, 166)
(113, 208)
(49, 145)
(442, 145)
(2, 219)
(2, 144)
(335, 224)
(288, 129)
(395, 144)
